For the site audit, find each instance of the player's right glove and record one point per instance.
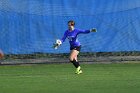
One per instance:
(57, 44)
(93, 30)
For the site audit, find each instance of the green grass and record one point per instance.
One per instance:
(60, 78)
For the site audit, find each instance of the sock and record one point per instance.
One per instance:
(76, 64)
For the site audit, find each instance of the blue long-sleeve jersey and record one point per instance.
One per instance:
(72, 36)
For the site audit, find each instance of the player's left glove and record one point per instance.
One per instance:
(57, 44)
(93, 30)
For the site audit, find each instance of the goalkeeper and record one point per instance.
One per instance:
(75, 45)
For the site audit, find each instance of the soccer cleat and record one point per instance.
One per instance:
(78, 70)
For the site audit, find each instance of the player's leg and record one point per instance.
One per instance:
(73, 59)
(78, 69)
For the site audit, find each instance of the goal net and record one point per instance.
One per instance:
(28, 29)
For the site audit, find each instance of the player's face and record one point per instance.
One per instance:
(70, 27)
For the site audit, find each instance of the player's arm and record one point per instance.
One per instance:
(87, 31)
(58, 42)
(64, 37)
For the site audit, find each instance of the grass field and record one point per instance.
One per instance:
(60, 78)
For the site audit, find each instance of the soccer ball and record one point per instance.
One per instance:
(58, 41)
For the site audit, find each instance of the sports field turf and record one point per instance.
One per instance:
(60, 78)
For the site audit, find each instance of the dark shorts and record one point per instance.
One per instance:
(78, 48)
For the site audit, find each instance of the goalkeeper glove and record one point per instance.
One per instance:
(55, 46)
(93, 30)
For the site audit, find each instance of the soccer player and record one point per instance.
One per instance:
(75, 45)
(1, 55)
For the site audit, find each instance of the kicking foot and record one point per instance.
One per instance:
(78, 70)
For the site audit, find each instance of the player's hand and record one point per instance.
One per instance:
(57, 44)
(93, 30)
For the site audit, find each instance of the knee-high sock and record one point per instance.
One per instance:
(75, 63)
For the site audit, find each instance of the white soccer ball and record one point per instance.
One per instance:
(58, 41)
